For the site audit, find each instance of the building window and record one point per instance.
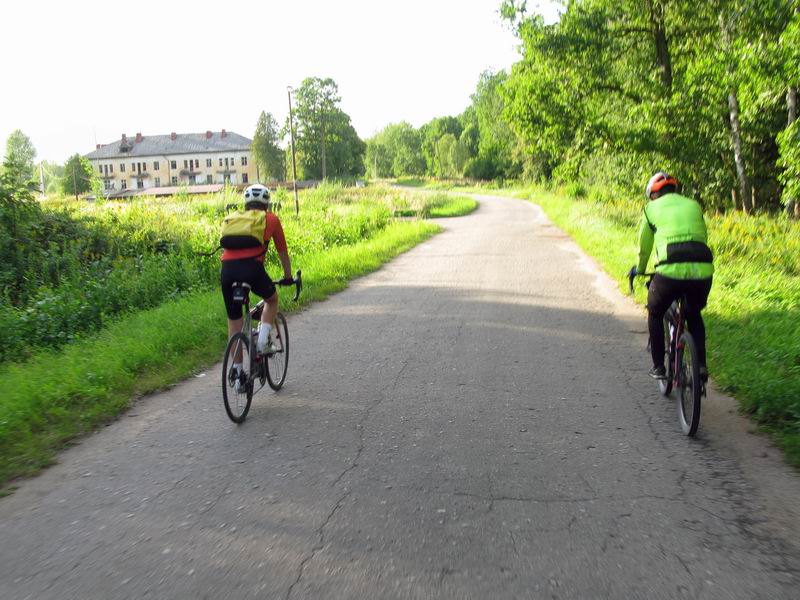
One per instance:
(226, 162)
(208, 162)
(220, 162)
(244, 178)
(155, 166)
(122, 168)
(244, 161)
(209, 178)
(124, 184)
(196, 163)
(173, 164)
(133, 167)
(140, 184)
(185, 164)
(110, 168)
(192, 179)
(157, 181)
(174, 180)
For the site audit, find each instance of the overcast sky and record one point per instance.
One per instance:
(84, 71)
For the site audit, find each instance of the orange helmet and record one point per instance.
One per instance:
(658, 181)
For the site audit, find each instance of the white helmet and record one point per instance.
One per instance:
(257, 194)
(658, 181)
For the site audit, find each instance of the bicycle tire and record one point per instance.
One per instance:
(665, 385)
(278, 363)
(237, 403)
(690, 385)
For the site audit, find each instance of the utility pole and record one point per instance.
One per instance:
(294, 161)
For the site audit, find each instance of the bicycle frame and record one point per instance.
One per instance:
(675, 344)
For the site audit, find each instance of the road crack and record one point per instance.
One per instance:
(320, 533)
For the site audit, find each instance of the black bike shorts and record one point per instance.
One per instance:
(247, 270)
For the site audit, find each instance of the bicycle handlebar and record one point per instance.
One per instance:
(297, 282)
(632, 274)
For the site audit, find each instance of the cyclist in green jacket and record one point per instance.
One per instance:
(684, 264)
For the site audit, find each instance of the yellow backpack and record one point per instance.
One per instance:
(244, 229)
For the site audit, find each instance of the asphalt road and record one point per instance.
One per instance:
(472, 421)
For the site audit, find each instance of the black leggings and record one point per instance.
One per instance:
(663, 291)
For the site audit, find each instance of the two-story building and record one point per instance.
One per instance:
(156, 161)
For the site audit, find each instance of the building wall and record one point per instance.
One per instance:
(140, 171)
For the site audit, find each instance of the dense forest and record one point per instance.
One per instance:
(617, 89)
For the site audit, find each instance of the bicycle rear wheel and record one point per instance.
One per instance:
(278, 362)
(690, 386)
(665, 385)
(237, 388)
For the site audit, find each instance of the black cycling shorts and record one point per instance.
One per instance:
(246, 270)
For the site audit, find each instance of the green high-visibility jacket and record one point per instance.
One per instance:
(675, 225)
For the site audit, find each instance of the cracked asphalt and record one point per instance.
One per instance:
(472, 421)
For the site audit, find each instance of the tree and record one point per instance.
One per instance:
(78, 174)
(19, 156)
(395, 151)
(266, 151)
(378, 158)
(789, 138)
(326, 141)
(451, 156)
(431, 133)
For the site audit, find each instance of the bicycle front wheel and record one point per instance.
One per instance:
(237, 385)
(689, 385)
(278, 362)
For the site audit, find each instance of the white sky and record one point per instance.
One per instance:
(86, 70)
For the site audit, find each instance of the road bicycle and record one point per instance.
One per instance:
(683, 363)
(239, 386)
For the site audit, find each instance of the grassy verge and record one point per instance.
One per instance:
(753, 316)
(453, 206)
(57, 395)
(433, 206)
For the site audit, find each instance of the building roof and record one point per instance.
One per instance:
(183, 143)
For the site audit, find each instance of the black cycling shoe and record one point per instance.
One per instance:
(658, 372)
(704, 374)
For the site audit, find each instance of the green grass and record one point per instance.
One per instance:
(411, 182)
(451, 206)
(57, 395)
(753, 316)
